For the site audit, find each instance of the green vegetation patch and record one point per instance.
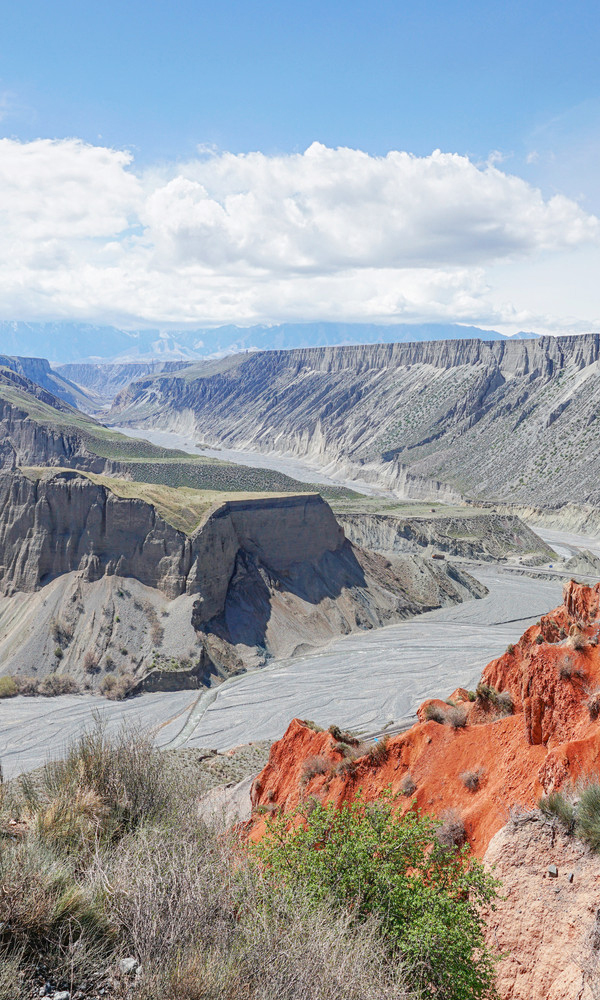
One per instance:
(183, 508)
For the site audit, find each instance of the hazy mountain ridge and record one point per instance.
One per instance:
(68, 342)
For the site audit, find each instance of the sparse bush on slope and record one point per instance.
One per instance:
(427, 895)
(110, 859)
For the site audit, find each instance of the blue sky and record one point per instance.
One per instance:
(512, 85)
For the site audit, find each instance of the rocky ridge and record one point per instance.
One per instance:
(470, 759)
(490, 537)
(38, 370)
(102, 382)
(257, 577)
(500, 420)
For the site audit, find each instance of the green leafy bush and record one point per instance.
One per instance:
(427, 896)
(8, 687)
(556, 805)
(588, 815)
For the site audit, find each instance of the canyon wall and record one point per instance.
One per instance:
(501, 420)
(258, 578)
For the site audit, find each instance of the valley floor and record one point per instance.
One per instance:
(367, 681)
(363, 681)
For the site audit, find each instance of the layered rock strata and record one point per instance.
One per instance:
(260, 577)
(498, 420)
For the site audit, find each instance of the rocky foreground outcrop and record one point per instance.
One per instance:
(267, 576)
(498, 420)
(484, 761)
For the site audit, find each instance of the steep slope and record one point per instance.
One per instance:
(550, 677)
(501, 420)
(38, 370)
(480, 769)
(104, 381)
(247, 577)
(39, 429)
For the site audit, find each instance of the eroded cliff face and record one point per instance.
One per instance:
(546, 928)
(259, 578)
(490, 769)
(52, 526)
(551, 739)
(104, 381)
(496, 420)
(27, 442)
(489, 537)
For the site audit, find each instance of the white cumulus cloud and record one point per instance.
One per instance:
(324, 234)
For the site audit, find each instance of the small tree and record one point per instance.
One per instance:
(427, 896)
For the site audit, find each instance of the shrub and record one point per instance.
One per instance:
(505, 703)
(576, 639)
(489, 698)
(567, 670)
(206, 925)
(427, 895)
(8, 687)
(593, 705)
(117, 688)
(57, 684)
(471, 695)
(457, 717)
(123, 777)
(43, 903)
(434, 713)
(556, 805)
(472, 779)
(588, 815)
(27, 685)
(451, 833)
(486, 694)
(342, 737)
(107, 684)
(61, 632)
(407, 785)
(510, 648)
(58, 653)
(378, 751)
(90, 663)
(311, 768)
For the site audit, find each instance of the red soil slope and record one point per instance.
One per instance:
(551, 674)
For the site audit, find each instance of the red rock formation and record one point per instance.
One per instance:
(482, 764)
(552, 738)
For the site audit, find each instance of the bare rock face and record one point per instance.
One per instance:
(104, 381)
(499, 420)
(261, 577)
(30, 443)
(488, 537)
(547, 922)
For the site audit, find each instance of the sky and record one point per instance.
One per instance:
(188, 164)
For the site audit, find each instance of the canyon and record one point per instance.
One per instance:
(499, 421)
(347, 535)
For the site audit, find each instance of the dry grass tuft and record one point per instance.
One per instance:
(472, 779)
(311, 768)
(452, 832)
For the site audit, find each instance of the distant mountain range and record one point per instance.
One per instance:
(62, 343)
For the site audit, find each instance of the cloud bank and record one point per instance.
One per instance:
(325, 234)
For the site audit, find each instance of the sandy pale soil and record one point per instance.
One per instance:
(363, 681)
